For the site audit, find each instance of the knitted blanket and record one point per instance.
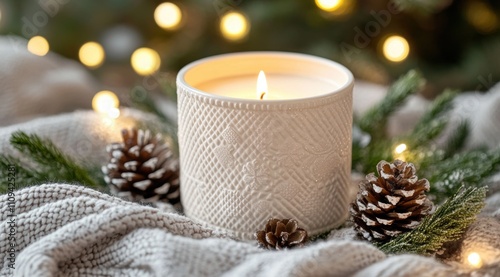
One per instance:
(70, 230)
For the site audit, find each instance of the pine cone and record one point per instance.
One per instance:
(279, 234)
(391, 204)
(143, 168)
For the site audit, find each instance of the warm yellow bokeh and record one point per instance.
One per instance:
(474, 260)
(106, 102)
(168, 16)
(145, 61)
(396, 48)
(400, 148)
(91, 54)
(234, 26)
(481, 16)
(38, 45)
(329, 5)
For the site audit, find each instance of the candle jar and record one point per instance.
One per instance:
(244, 161)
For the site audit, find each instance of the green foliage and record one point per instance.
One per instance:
(445, 168)
(447, 224)
(469, 167)
(457, 139)
(433, 122)
(374, 121)
(50, 163)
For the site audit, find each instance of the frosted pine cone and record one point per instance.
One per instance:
(392, 203)
(143, 168)
(280, 234)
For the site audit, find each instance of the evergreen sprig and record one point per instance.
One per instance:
(457, 140)
(446, 224)
(374, 120)
(51, 164)
(469, 167)
(433, 121)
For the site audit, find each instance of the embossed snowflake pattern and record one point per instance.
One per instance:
(255, 175)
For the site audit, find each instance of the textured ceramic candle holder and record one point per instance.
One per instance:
(244, 161)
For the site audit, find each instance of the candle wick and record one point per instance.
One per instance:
(262, 95)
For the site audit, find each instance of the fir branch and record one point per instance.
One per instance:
(447, 224)
(440, 106)
(50, 159)
(433, 122)
(24, 176)
(470, 167)
(374, 120)
(457, 141)
(427, 133)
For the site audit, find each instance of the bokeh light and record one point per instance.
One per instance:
(91, 54)
(106, 102)
(396, 48)
(400, 148)
(337, 8)
(38, 45)
(168, 16)
(481, 17)
(329, 5)
(234, 26)
(474, 260)
(145, 61)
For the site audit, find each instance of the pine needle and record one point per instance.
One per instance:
(447, 224)
(433, 122)
(374, 120)
(470, 167)
(52, 164)
(457, 140)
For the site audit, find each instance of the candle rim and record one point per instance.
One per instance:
(349, 77)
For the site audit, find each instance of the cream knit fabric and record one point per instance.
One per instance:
(70, 230)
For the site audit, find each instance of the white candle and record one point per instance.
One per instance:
(280, 86)
(244, 160)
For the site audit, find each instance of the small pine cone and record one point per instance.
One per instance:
(392, 203)
(143, 168)
(280, 234)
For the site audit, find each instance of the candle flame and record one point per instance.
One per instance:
(262, 86)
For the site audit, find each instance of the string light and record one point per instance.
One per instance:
(336, 7)
(329, 5)
(38, 45)
(91, 54)
(396, 48)
(168, 16)
(400, 148)
(474, 260)
(145, 61)
(234, 26)
(106, 102)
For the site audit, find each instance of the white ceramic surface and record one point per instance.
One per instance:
(244, 161)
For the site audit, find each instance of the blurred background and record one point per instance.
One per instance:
(454, 43)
